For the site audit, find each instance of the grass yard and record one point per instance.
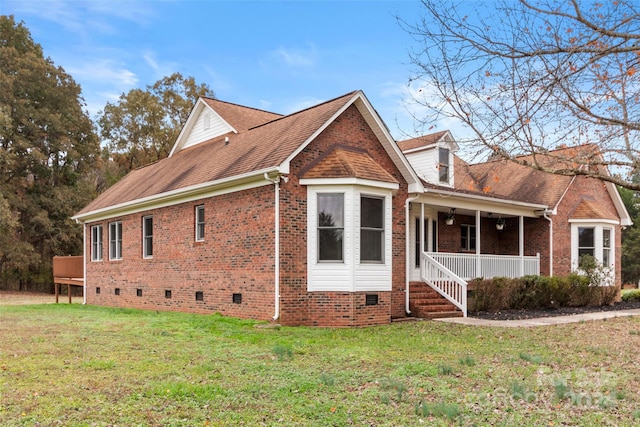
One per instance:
(76, 365)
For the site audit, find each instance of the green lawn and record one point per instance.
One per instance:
(80, 365)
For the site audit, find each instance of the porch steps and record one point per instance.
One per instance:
(426, 303)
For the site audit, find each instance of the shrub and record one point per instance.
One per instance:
(633, 295)
(534, 292)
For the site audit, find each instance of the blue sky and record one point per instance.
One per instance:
(280, 56)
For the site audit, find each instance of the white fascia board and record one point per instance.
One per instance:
(351, 181)
(625, 218)
(418, 149)
(594, 221)
(483, 203)
(389, 144)
(182, 195)
(380, 130)
(191, 121)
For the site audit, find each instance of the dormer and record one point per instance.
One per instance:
(432, 157)
(211, 118)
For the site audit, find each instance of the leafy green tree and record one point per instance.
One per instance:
(143, 125)
(631, 235)
(525, 77)
(48, 157)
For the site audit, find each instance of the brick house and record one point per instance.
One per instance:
(321, 218)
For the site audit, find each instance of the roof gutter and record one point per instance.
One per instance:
(179, 195)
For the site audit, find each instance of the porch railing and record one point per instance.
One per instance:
(470, 266)
(444, 281)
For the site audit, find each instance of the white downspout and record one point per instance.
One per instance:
(276, 183)
(546, 212)
(84, 264)
(407, 251)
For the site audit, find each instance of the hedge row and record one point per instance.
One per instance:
(535, 292)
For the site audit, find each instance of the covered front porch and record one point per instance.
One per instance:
(455, 240)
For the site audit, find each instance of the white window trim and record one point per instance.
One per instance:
(199, 238)
(598, 226)
(145, 235)
(96, 243)
(118, 255)
(350, 274)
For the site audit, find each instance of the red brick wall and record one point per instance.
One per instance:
(237, 256)
(596, 192)
(299, 307)
(238, 253)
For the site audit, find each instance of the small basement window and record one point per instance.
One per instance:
(237, 298)
(139, 292)
(167, 293)
(371, 299)
(117, 291)
(199, 296)
(98, 290)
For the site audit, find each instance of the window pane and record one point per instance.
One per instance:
(147, 232)
(330, 210)
(585, 251)
(606, 237)
(330, 245)
(585, 237)
(371, 212)
(200, 223)
(371, 245)
(330, 227)
(443, 166)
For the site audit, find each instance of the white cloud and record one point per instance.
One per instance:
(297, 58)
(104, 71)
(301, 104)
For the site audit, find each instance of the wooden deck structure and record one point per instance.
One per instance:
(67, 270)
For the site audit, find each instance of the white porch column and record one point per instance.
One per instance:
(478, 262)
(421, 229)
(521, 244)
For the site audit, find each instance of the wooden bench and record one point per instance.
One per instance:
(68, 270)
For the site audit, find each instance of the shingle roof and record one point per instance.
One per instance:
(509, 180)
(260, 147)
(347, 162)
(241, 118)
(421, 141)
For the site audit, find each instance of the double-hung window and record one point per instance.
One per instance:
(199, 223)
(592, 239)
(147, 237)
(96, 243)
(606, 246)
(371, 229)
(443, 164)
(586, 243)
(115, 240)
(330, 226)
(468, 237)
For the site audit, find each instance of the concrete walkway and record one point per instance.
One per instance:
(542, 321)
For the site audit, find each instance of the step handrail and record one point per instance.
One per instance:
(444, 281)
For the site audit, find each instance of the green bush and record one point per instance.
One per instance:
(534, 292)
(632, 295)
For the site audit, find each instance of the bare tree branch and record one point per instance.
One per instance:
(526, 77)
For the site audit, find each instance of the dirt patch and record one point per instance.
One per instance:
(24, 298)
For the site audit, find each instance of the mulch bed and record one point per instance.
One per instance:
(551, 312)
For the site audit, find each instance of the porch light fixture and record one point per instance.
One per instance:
(451, 217)
(500, 223)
